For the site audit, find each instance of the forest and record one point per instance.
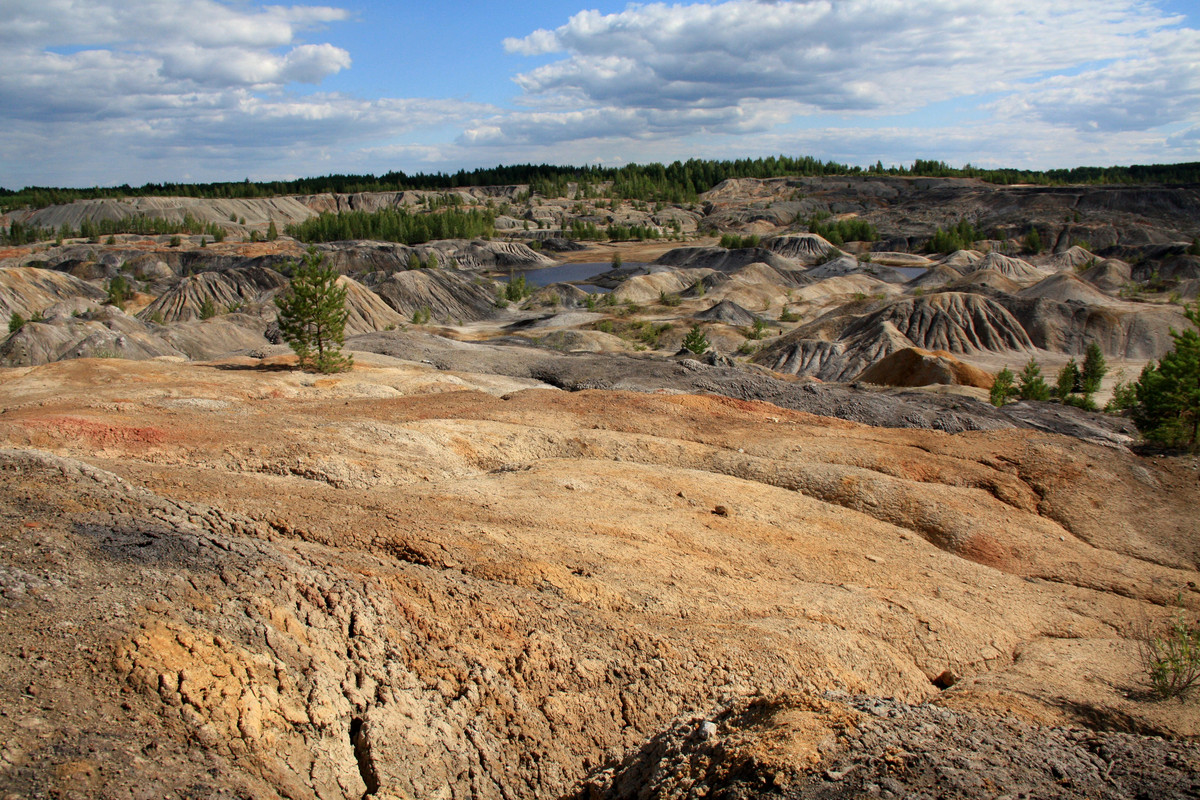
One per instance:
(678, 182)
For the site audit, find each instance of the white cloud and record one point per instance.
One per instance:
(870, 55)
(1156, 87)
(856, 59)
(165, 83)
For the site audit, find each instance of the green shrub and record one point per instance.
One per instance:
(1003, 388)
(16, 322)
(119, 290)
(670, 300)
(517, 289)
(696, 341)
(1170, 657)
(758, 330)
(787, 315)
(208, 309)
(1032, 386)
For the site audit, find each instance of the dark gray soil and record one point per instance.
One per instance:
(884, 408)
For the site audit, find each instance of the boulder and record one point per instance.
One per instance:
(913, 366)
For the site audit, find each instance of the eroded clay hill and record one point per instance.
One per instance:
(233, 579)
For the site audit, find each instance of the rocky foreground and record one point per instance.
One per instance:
(232, 579)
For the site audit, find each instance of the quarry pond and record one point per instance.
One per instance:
(577, 273)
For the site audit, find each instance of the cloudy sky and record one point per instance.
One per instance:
(104, 92)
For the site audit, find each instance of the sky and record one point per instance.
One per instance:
(106, 92)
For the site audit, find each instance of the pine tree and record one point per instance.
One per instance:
(1094, 368)
(1068, 380)
(1003, 389)
(1168, 393)
(208, 309)
(272, 232)
(696, 341)
(312, 315)
(1033, 386)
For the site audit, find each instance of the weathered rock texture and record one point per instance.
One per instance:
(420, 584)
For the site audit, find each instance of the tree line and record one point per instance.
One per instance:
(678, 182)
(394, 225)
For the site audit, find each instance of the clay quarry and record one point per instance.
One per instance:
(530, 546)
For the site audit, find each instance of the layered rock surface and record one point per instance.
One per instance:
(417, 583)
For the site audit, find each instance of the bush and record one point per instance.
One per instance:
(119, 291)
(696, 341)
(1032, 386)
(1003, 389)
(1094, 368)
(1170, 657)
(758, 330)
(517, 289)
(787, 315)
(1168, 393)
(16, 322)
(208, 309)
(1032, 243)
(670, 300)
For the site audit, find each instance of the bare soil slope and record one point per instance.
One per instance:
(233, 578)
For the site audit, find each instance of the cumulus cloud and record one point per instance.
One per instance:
(861, 58)
(1157, 87)
(872, 55)
(122, 90)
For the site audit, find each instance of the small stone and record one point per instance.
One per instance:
(707, 730)
(721, 511)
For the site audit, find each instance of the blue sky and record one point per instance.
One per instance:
(114, 91)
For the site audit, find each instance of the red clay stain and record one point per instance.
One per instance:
(97, 433)
(984, 549)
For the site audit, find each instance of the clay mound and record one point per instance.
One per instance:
(1180, 268)
(935, 277)
(579, 341)
(480, 254)
(105, 333)
(648, 288)
(803, 248)
(758, 286)
(366, 310)
(728, 312)
(1134, 331)
(844, 286)
(1066, 288)
(1109, 275)
(110, 333)
(360, 257)
(29, 290)
(984, 279)
(559, 294)
(226, 290)
(798, 353)
(208, 339)
(952, 321)
(1012, 268)
(839, 347)
(39, 343)
(722, 260)
(849, 265)
(448, 295)
(892, 259)
(913, 366)
(962, 259)
(1069, 259)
